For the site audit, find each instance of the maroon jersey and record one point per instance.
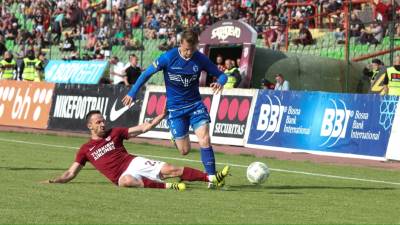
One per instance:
(108, 155)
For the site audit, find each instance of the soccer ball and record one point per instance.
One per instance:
(257, 173)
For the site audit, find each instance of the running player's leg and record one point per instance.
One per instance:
(199, 120)
(183, 144)
(206, 150)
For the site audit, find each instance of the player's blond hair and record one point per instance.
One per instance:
(190, 36)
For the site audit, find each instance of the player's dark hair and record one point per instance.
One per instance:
(190, 36)
(132, 55)
(90, 113)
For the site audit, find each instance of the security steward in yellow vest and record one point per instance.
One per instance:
(29, 67)
(376, 69)
(392, 78)
(8, 67)
(41, 66)
(233, 74)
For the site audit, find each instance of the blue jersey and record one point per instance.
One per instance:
(181, 77)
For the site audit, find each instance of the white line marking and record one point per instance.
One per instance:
(231, 164)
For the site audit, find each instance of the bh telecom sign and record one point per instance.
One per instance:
(75, 72)
(25, 104)
(324, 122)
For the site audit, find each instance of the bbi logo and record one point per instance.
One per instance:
(270, 118)
(334, 123)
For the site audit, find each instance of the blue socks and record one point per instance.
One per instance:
(207, 157)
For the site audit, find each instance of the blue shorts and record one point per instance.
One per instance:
(195, 115)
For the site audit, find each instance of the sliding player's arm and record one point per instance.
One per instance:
(146, 126)
(68, 175)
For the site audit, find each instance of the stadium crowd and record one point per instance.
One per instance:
(104, 23)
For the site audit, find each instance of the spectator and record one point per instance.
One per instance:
(69, 44)
(339, 34)
(202, 8)
(356, 25)
(91, 42)
(397, 34)
(270, 36)
(132, 70)
(333, 6)
(57, 26)
(281, 83)
(372, 34)
(136, 20)
(170, 43)
(11, 31)
(305, 37)
(117, 72)
(382, 10)
(2, 45)
(266, 84)
(220, 63)
(260, 20)
(131, 43)
(119, 37)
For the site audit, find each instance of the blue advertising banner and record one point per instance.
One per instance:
(75, 72)
(319, 121)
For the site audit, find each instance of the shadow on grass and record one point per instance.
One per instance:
(33, 168)
(250, 187)
(90, 182)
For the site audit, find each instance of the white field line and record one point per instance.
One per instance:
(231, 164)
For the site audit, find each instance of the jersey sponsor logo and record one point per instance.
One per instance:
(185, 80)
(115, 114)
(270, 118)
(335, 122)
(224, 32)
(68, 107)
(25, 104)
(103, 150)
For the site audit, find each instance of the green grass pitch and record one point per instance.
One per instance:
(287, 197)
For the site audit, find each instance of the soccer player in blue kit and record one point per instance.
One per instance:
(182, 67)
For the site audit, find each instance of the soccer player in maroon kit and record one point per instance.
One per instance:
(106, 152)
